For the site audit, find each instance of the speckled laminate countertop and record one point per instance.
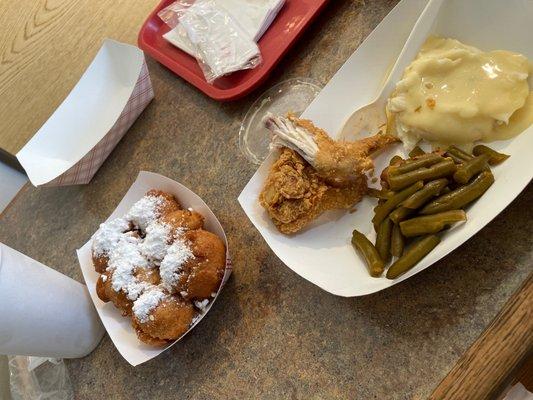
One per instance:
(273, 335)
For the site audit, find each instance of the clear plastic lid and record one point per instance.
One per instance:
(293, 95)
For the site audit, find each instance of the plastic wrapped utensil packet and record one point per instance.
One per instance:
(222, 45)
(171, 14)
(37, 378)
(254, 16)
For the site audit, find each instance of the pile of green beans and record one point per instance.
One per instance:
(421, 197)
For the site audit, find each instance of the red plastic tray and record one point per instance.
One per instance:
(293, 18)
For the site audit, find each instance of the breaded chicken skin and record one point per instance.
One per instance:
(313, 172)
(339, 163)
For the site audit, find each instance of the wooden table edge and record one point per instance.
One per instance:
(487, 366)
(11, 161)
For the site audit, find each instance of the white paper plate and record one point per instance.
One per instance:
(322, 253)
(118, 327)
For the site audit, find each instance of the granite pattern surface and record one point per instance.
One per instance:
(273, 335)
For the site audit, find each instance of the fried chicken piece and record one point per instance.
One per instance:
(314, 173)
(293, 192)
(339, 163)
(169, 320)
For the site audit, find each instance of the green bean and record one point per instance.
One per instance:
(430, 189)
(400, 214)
(383, 239)
(445, 190)
(416, 163)
(383, 210)
(495, 158)
(413, 255)
(431, 223)
(457, 152)
(461, 196)
(396, 241)
(466, 171)
(444, 168)
(417, 151)
(368, 252)
(455, 159)
(396, 160)
(380, 194)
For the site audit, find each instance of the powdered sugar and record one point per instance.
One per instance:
(202, 305)
(155, 244)
(171, 266)
(123, 261)
(146, 302)
(145, 211)
(127, 251)
(135, 289)
(108, 236)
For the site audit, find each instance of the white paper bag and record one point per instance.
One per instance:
(43, 312)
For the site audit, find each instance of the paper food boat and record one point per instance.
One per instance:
(118, 327)
(75, 141)
(322, 253)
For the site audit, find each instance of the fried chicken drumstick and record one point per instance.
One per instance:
(314, 173)
(339, 163)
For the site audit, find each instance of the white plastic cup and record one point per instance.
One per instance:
(43, 312)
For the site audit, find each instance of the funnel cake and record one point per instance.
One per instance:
(157, 264)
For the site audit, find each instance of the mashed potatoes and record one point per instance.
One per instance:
(454, 93)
